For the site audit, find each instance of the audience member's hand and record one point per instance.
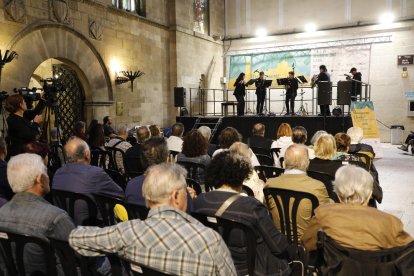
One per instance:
(192, 192)
(37, 119)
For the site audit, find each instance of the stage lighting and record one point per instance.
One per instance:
(261, 32)
(310, 27)
(386, 18)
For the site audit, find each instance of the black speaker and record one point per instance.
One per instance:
(179, 96)
(344, 92)
(324, 93)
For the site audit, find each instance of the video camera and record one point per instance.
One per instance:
(3, 96)
(29, 95)
(51, 87)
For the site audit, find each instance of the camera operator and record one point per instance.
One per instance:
(23, 124)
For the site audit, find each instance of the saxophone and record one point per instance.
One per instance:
(314, 80)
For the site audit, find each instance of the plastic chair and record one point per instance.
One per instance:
(247, 191)
(334, 259)
(136, 211)
(193, 169)
(266, 172)
(194, 184)
(66, 200)
(288, 209)
(102, 158)
(225, 227)
(327, 180)
(106, 206)
(118, 263)
(265, 160)
(117, 177)
(9, 240)
(276, 155)
(114, 151)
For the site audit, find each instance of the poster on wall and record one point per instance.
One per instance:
(339, 61)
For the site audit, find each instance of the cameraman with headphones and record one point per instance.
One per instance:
(23, 124)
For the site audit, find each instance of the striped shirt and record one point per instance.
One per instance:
(168, 240)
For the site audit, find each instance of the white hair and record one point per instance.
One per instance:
(22, 171)
(161, 181)
(356, 133)
(123, 129)
(316, 136)
(353, 184)
(205, 131)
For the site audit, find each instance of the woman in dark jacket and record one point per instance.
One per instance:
(23, 124)
(239, 93)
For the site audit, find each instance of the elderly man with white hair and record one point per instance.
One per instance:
(206, 132)
(28, 213)
(357, 134)
(169, 240)
(119, 142)
(352, 223)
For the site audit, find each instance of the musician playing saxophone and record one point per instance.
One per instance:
(261, 93)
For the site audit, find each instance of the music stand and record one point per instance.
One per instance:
(301, 79)
(250, 82)
(267, 84)
(283, 81)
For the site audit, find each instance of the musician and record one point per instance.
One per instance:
(291, 92)
(323, 76)
(356, 84)
(261, 93)
(239, 93)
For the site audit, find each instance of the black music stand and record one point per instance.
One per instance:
(283, 81)
(267, 84)
(250, 82)
(301, 79)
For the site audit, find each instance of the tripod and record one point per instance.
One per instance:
(302, 110)
(284, 100)
(3, 117)
(47, 125)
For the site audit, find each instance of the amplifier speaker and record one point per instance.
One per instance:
(179, 96)
(344, 92)
(324, 93)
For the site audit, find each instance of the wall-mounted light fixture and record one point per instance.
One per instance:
(128, 76)
(404, 73)
(8, 57)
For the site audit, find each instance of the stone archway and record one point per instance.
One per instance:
(41, 41)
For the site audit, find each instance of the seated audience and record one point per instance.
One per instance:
(227, 137)
(155, 131)
(258, 139)
(120, 143)
(295, 179)
(227, 172)
(96, 137)
(283, 141)
(314, 138)
(6, 192)
(133, 159)
(38, 148)
(253, 181)
(300, 136)
(357, 134)
(195, 151)
(206, 132)
(80, 177)
(352, 223)
(28, 213)
(169, 240)
(325, 150)
(175, 141)
(108, 130)
(143, 134)
(79, 130)
(343, 141)
(408, 141)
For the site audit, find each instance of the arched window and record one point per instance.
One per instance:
(135, 6)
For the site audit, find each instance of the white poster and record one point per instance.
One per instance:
(339, 61)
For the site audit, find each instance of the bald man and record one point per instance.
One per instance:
(295, 179)
(80, 177)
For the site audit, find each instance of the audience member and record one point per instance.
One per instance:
(314, 138)
(80, 177)
(227, 137)
(227, 172)
(6, 192)
(295, 179)
(351, 223)
(108, 130)
(409, 141)
(325, 150)
(357, 134)
(154, 151)
(28, 213)
(258, 140)
(283, 141)
(175, 141)
(195, 151)
(79, 130)
(120, 143)
(206, 132)
(38, 148)
(143, 134)
(96, 137)
(155, 131)
(169, 240)
(300, 137)
(343, 141)
(253, 181)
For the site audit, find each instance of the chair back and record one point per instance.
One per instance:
(102, 158)
(261, 151)
(194, 184)
(225, 227)
(118, 265)
(55, 153)
(247, 190)
(265, 160)
(334, 259)
(327, 180)
(193, 169)
(9, 240)
(118, 178)
(116, 152)
(287, 204)
(136, 211)
(276, 153)
(366, 158)
(106, 206)
(67, 200)
(266, 172)
(69, 259)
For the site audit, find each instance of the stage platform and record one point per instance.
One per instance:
(244, 124)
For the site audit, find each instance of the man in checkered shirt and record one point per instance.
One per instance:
(169, 240)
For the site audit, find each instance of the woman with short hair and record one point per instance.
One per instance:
(325, 150)
(283, 141)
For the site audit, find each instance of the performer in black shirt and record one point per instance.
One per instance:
(291, 92)
(356, 84)
(323, 76)
(239, 93)
(261, 93)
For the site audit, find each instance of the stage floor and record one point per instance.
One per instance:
(245, 124)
